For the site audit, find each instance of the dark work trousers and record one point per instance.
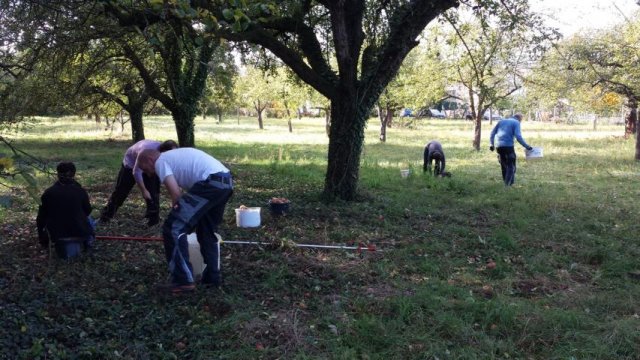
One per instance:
(201, 208)
(507, 156)
(124, 183)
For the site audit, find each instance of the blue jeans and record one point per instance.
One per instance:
(201, 208)
(507, 156)
(67, 248)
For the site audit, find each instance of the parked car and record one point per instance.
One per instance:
(494, 116)
(432, 113)
(406, 112)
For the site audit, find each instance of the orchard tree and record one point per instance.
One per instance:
(67, 52)
(181, 34)
(420, 83)
(602, 62)
(258, 90)
(32, 34)
(101, 73)
(290, 93)
(366, 40)
(489, 51)
(219, 96)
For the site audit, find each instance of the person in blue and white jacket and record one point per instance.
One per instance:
(505, 131)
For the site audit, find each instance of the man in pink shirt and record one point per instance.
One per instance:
(149, 185)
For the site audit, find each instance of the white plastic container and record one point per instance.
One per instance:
(534, 153)
(405, 173)
(248, 217)
(195, 257)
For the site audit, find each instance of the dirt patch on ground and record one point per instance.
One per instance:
(537, 287)
(282, 329)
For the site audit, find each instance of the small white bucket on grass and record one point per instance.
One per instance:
(534, 153)
(405, 173)
(248, 217)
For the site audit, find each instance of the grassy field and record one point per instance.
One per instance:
(563, 239)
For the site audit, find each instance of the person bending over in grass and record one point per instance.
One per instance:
(148, 185)
(505, 130)
(207, 186)
(433, 153)
(63, 216)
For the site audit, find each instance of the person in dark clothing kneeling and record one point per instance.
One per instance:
(63, 216)
(433, 153)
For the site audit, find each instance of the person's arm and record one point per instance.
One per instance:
(86, 205)
(43, 236)
(427, 159)
(174, 189)
(137, 175)
(493, 135)
(443, 163)
(519, 137)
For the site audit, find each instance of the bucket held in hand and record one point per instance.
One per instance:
(534, 153)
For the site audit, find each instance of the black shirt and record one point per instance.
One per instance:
(64, 211)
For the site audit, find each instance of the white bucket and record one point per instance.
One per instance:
(534, 153)
(404, 173)
(195, 257)
(248, 217)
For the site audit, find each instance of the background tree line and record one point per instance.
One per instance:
(106, 57)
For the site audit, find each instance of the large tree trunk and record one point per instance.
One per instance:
(137, 126)
(286, 107)
(630, 122)
(385, 115)
(635, 113)
(345, 146)
(259, 108)
(327, 120)
(183, 118)
(260, 122)
(477, 131)
(136, 99)
(383, 126)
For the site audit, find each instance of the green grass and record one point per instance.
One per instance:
(564, 239)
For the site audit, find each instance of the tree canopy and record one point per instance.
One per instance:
(348, 51)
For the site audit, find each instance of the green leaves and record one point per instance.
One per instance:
(238, 19)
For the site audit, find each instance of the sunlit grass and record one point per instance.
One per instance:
(563, 239)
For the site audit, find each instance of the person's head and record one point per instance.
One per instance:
(167, 145)
(518, 117)
(66, 170)
(146, 161)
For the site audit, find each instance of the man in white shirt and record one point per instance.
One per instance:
(200, 187)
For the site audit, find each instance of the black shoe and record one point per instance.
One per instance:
(211, 285)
